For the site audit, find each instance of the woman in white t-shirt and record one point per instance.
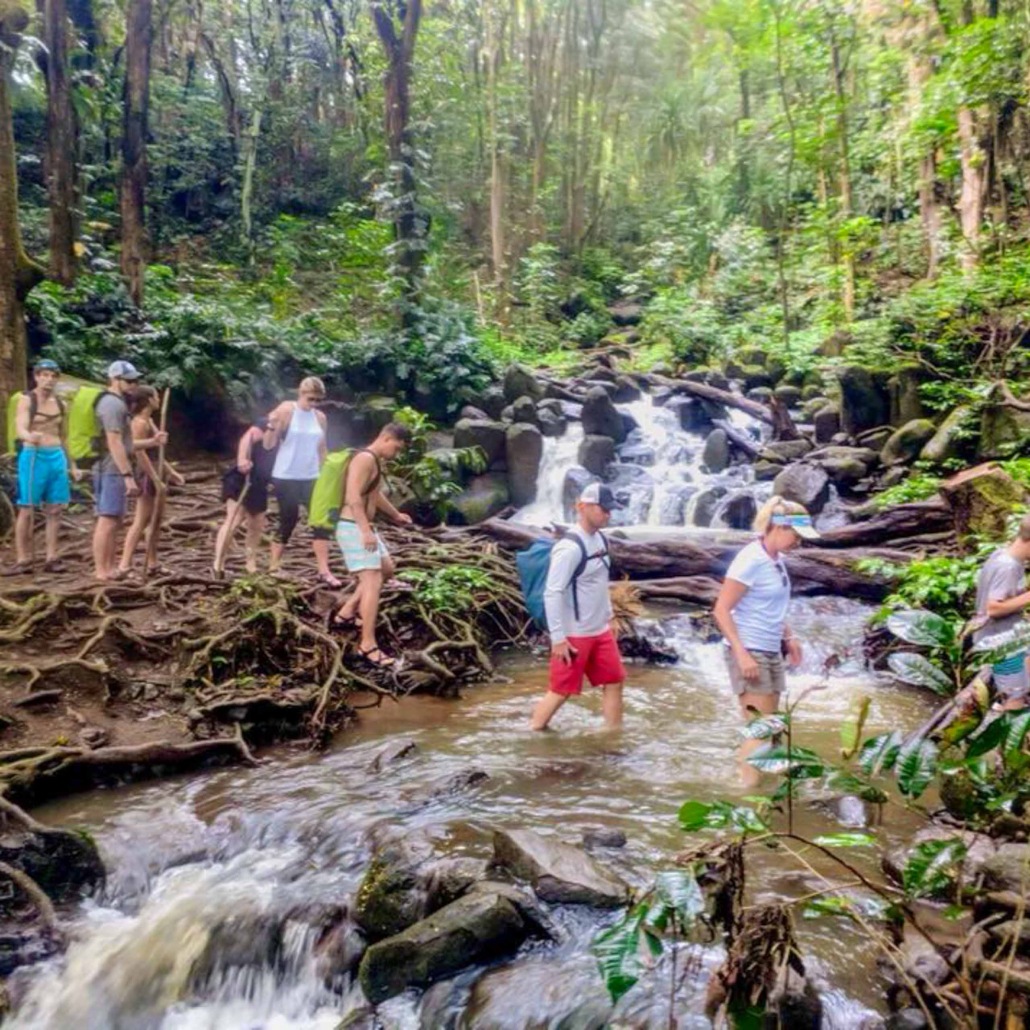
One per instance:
(751, 609)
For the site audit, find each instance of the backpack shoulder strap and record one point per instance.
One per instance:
(33, 406)
(583, 559)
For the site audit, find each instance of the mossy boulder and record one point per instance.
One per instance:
(519, 381)
(982, 499)
(864, 401)
(947, 442)
(523, 448)
(1004, 423)
(483, 498)
(906, 444)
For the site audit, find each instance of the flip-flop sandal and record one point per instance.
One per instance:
(338, 625)
(383, 662)
(400, 585)
(330, 581)
(22, 568)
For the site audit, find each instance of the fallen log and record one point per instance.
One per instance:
(743, 442)
(775, 415)
(813, 570)
(902, 522)
(689, 589)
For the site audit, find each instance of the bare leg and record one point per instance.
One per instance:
(321, 549)
(104, 534)
(766, 704)
(223, 541)
(255, 530)
(611, 705)
(53, 528)
(144, 506)
(351, 606)
(370, 583)
(277, 555)
(23, 534)
(545, 709)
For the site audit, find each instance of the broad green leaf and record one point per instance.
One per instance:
(693, 815)
(617, 951)
(851, 728)
(990, 737)
(1019, 725)
(932, 866)
(845, 840)
(800, 762)
(961, 727)
(879, 753)
(766, 727)
(678, 888)
(918, 670)
(831, 905)
(917, 763)
(924, 629)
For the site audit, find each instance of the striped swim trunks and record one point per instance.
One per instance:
(1011, 676)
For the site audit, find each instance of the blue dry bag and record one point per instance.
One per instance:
(533, 564)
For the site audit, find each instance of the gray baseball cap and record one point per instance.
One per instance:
(123, 370)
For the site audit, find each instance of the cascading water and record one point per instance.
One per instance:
(658, 474)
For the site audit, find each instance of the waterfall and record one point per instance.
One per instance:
(657, 473)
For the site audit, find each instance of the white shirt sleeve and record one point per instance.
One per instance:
(744, 567)
(565, 557)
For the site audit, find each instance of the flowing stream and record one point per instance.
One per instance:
(206, 919)
(197, 863)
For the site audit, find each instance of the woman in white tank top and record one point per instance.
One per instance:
(300, 432)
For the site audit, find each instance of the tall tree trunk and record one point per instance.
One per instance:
(785, 210)
(17, 273)
(409, 225)
(138, 31)
(846, 207)
(61, 144)
(971, 198)
(497, 158)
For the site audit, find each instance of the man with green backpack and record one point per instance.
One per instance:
(44, 466)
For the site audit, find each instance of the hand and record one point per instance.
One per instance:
(368, 540)
(793, 652)
(35, 439)
(748, 667)
(77, 474)
(403, 519)
(245, 466)
(160, 438)
(131, 487)
(564, 652)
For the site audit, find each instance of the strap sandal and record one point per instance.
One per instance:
(22, 568)
(55, 565)
(377, 657)
(329, 580)
(335, 624)
(118, 575)
(217, 574)
(157, 570)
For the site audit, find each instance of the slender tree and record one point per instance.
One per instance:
(18, 274)
(61, 144)
(138, 38)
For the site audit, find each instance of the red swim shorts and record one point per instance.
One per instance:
(597, 658)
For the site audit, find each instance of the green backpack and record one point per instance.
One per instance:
(85, 436)
(327, 496)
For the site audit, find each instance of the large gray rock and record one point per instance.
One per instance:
(716, 452)
(484, 433)
(492, 401)
(524, 410)
(600, 416)
(1008, 869)
(786, 450)
(946, 442)
(519, 381)
(596, 453)
(706, 503)
(903, 396)
(804, 484)
(905, 444)
(788, 395)
(864, 401)
(626, 390)
(551, 424)
(483, 498)
(476, 927)
(692, 413)
(524, 447)
(558, 872)
(738, 512)
(826, 423)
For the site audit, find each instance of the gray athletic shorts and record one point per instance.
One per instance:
(770, 673)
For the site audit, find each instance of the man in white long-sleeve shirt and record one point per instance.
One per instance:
(579, 614)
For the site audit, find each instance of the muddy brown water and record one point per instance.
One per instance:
(186, 854)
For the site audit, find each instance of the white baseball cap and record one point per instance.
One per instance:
(598, 493)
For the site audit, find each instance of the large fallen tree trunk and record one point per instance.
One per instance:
(812, 570)
(904, 522)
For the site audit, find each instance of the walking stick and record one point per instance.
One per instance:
(159, 486)
(32, 506)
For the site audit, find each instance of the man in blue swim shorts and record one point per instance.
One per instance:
(44, 465)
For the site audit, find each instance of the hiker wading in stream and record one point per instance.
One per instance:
(751, 612)
(113, 480)
(364, 552)
(579, 614)
(299, 431)
(41, 428)
(1001, 599)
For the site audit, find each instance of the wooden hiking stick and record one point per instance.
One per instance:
(32, 505)
(159, 486)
